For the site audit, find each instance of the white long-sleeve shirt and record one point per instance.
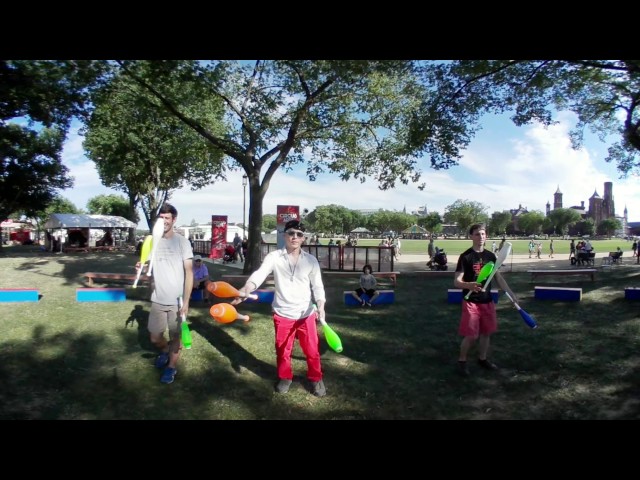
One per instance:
(295, 284)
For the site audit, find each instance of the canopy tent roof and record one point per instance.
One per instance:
(72, 220)
(415, 229)
(360, 230)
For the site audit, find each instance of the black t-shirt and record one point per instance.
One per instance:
(471, 262)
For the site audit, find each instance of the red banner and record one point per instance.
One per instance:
(284, 213)
(218, 236)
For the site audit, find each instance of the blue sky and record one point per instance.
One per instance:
(504, 166)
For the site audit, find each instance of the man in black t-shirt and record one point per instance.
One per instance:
(478, 319)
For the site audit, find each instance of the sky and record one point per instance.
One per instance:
(504, 167)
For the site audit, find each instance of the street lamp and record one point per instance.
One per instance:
(244, 203)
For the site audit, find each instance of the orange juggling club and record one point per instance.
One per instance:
(226, 313)
(226, 290)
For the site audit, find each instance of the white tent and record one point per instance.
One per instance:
(72, 220)
(66, 230)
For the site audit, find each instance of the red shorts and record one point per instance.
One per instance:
(477, 319)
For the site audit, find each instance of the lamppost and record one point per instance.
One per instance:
(244, 203)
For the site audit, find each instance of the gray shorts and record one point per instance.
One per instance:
(162, 317)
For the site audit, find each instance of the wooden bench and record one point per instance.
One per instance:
(576, 271)
(121, 277)
(435, 273)
(392, 276)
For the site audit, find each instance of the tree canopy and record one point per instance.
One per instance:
(352, 118)
(38, 98)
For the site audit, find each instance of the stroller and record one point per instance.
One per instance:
(229, 254)
(439, 261)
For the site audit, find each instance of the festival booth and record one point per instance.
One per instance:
(78, 232)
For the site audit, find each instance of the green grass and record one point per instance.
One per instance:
(60, 359)
(456, 247)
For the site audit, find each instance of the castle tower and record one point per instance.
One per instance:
(595, 208)
(608, 210)
(557, 199)
(548, 208)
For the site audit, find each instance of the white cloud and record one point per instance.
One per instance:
(525, 167)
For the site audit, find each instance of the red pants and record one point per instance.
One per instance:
(287, 330)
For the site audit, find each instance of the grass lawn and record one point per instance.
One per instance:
(61, 359)
(519, 247)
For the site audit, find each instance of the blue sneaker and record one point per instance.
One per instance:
(168, 375)
(162, 360)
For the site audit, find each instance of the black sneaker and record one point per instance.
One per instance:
(463, 369)
(283, 385)
(318, 389)
(487, 365)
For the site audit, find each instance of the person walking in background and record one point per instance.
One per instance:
(431, 249)
(532, 246)
(572, 249)
(478, 320)
(237, 244)
(298, 284)
(172, 279)
(551, 249)
(539, 249)
(368, 285)
(634, 247)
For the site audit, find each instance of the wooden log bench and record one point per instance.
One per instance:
(591, 272)
(238, 281)
(434, 273)
(117, 277)
(454, 295)
(392, 276)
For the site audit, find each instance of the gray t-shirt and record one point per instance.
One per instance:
(168, 269)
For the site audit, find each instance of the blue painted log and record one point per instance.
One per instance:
(386, 297)
(265, 295)
(632, 293)
(454, 295)
(562, 294)
(197, 295)
(100, 295)
(19, 295)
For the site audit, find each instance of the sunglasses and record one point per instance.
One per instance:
(295, 234)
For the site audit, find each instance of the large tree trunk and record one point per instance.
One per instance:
(252, 261)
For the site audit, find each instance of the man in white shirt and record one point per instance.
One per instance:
(298, 285)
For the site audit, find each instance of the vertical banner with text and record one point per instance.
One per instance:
(284, 213)
(218, 236)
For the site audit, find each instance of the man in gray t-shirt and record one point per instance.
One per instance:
(172, 279)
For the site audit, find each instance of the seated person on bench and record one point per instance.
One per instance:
(367, 285)
(200, 277)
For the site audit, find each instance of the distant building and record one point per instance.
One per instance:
(600, 208)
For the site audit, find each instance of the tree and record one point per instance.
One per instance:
(269, 222)
(465, 213)
(48, 94)
(563, 218)
(602, 93)
(499, 222)
(348, 117)
(608, 226)
(111, 205)
(531, 222)
(142, 150)
(432, 222)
